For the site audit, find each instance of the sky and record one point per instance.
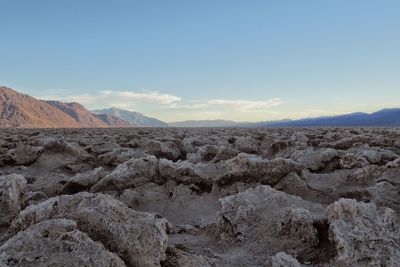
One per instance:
(242, 60)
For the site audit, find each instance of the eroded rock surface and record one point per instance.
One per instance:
(140, 239)
(56, 242)
(177, 257)
(129, 173)
(12, 197)
(314, 197)
(284, 260)
(364, 234)
(289, 220)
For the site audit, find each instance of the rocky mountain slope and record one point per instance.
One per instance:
(316, 197)
(134, 118)
(21, 110)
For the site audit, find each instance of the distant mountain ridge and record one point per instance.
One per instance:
(132, 117)
(203, 123)
(384, 117)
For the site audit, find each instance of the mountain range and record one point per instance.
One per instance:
(86, 118)
(384, 117)
(132, 117)
(21, 110)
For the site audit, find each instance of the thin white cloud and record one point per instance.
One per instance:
(228, 104)
(170, 107)
(124, 98)
(192, 105)
(247, 104)
(153, 97)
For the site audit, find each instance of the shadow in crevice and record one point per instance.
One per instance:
(325, 251)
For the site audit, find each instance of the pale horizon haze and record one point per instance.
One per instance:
(192, 60)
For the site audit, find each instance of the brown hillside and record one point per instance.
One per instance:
(87, 118)
(21, 110)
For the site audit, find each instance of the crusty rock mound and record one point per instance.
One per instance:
(364, 234)
(140, 239)
(23, 155)
(289, 220)
(83, 181)
(177, 257)
(284, 260)
(129, 173)
(252, 168)
(56, 242)
(12, 197)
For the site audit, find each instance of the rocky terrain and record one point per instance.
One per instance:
(200, 197)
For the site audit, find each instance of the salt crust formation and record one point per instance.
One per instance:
(200, 197)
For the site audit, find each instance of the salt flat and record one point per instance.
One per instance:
(200, 197)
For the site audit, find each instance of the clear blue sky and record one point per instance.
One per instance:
(243, 60)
